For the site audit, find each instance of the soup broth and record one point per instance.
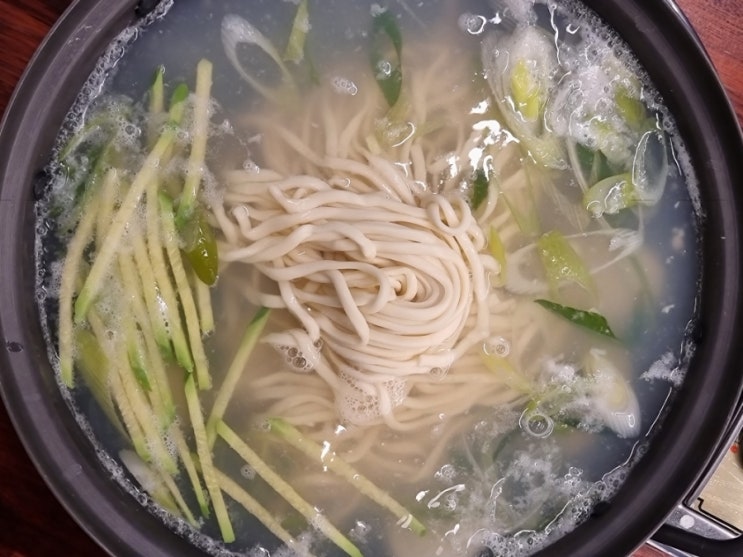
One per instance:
(413, 279)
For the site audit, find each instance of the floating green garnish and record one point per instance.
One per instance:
(386, 61)
(479, 188)
(590, 320)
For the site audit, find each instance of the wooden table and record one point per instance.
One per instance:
(32, 522)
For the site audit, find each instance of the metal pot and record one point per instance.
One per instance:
(693, 431)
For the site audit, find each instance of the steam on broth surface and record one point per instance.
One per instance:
(382, 280)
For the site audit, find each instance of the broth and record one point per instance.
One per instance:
(458, 255)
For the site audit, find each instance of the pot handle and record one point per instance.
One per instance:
(695, 544)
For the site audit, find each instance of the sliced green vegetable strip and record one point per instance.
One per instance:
(233, 489)
(590, 320)
(103, 122)
(96, 278)
(188, 463)
(109, 196)
(386, 62)
(177, 107)
(204, 302)
(480, 187)
(589, 167)
(95, 203)
(504, 369)
(75, 250)
(630, 107)
(191, 316)
(176, 112)
(94, 368)
(208, 471)
(522, 205)
(136, 435)
(150, 294)
(143, 413)
(342, 468)
(157, 92)
(150, 415)
(135, 352)
(526, 91)
(151, 480)
(286, 491)
(498, 251)
(156, 105)
(295, 46)
(200, 245)
(562, 264)
(199, 135)
(180, 502)
(610, 195)
(227, 389)
(168, 302)
(144, 361)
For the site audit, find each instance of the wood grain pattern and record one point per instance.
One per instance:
(32, 522)
(719, 23)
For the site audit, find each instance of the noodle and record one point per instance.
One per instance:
(376, 254)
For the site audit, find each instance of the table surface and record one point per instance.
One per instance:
(32, 522)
